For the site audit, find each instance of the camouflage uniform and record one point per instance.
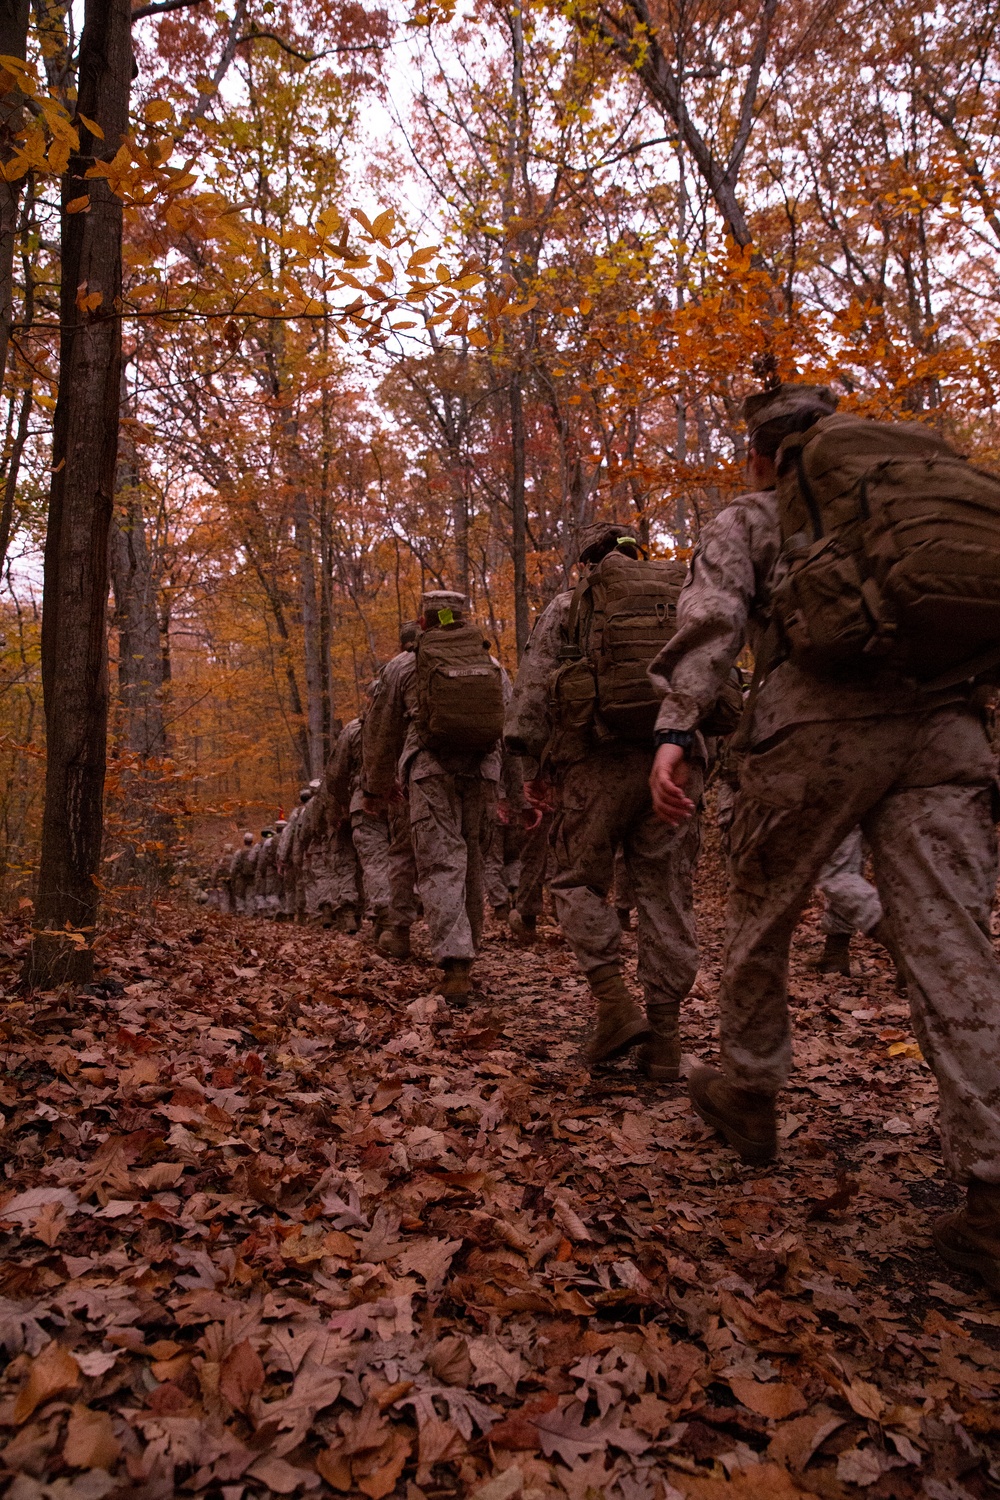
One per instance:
(287, 874)
(369, 832)
(603, 805)
(913, 768)
(221, 880)
(852, 903)
(267, 872)
(451, 798)
(241, 875)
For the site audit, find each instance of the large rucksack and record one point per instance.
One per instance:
(892, 544)
(459, 691)
(622, 615)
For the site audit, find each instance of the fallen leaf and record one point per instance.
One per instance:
(90, 1440)
(52, 1372)
(776, 1399)
(241, 1376)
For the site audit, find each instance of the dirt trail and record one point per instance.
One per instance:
(275, 1222)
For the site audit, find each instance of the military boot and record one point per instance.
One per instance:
(346, 920)
(836, 955)
(394, 942)
(325, 913)
(660, 1057)
(745, 1117)
(456, 987)
(380, 923)
(969, 1240)
(620, 1020)
(525, 929)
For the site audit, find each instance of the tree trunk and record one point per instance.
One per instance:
(519, 518)
(84, 451)
(13, 43)
(310, 631)
(140, 651)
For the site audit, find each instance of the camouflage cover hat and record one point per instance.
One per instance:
(786, 400)
(594, 539)
(248, 838)
(438, 602)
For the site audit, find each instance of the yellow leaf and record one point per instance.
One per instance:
(156, 110)
(58, 156)
(91, 125)
(478, 339)
(585, 305)
(79, 205)
(421, 257)
(383, 225)
(865, 1399)
(52, 1372)
(906, 1049)
(90, 1440)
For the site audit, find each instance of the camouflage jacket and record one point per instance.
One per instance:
(724, 605)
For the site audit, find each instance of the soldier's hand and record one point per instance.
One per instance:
(667, 781)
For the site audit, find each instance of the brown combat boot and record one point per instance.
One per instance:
(456, 987)
(620, 1021)
(745, 1117)
(346, 920)
(394, 942)
(525, 929)
(660, 1057)
(969, 1240)
(836, 955)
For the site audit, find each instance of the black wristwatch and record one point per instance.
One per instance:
(682, 737)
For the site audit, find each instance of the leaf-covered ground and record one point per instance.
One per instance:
(275, 1222)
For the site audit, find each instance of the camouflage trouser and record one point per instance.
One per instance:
(921, 788)
(402, 867)
(447, 817)
(623, 895)
(604, 804)
(371, 841)
(535, 857)
(852, 904)
(337, 878)
(501, 873)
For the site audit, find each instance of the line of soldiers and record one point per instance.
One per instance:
(448, 756)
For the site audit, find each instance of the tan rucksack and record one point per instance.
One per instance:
(622, 615)
(459, 690)
(892, 542)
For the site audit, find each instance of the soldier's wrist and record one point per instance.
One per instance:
(684, 738)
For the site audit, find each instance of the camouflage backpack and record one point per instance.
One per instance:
(623, 613)
(892, 547)
(459, 690)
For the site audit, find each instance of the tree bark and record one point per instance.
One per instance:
(310, 630)
(84, 452)
(140, 652)
(519, 516)
(13, 43)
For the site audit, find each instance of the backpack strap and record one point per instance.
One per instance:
(572, 650)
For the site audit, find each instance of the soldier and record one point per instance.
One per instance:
(220, 880)
(267, 871)
(434, 728)
(369, 831)
(255, 894)
(404, 906)
(240, 875)
(602, 789)
(852, 905)
(824, 753)
(289, 854)
(529, 902)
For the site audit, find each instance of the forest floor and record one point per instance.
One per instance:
(275, 1222)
